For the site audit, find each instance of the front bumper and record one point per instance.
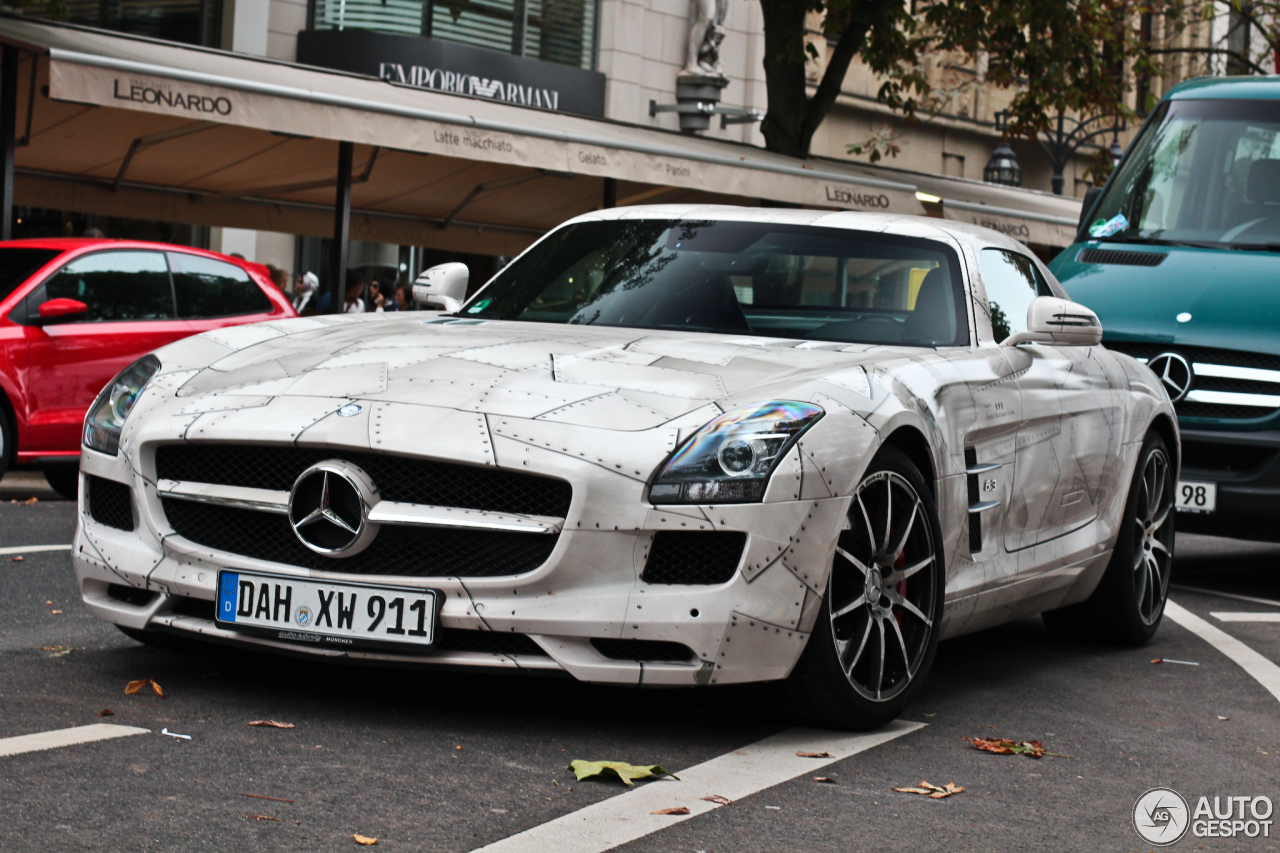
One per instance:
(1246, 468)
(750, 628)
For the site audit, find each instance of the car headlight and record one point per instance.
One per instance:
(730, 459)
(107, 414)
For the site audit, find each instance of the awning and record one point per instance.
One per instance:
(120, 125)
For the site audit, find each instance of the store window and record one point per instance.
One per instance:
(561, 31)
(186, 21)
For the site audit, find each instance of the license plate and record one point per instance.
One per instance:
(350, 615)
(1196, 496)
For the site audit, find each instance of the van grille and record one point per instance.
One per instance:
(1129, 259)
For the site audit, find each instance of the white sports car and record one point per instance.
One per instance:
(666, 445)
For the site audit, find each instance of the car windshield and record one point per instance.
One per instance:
(739, 278)
(1202, 172)
(18, 264)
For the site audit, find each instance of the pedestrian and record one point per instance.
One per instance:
(355, 284)
(304, 302)
(381, 296)
(404, 297)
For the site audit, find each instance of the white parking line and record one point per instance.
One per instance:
(1234, 616)
(65, 737)
(31, 549)
(1263, 671)
(737, 774)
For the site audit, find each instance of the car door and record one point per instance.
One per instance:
(1070, 426)
(212, 294)
(131, 312)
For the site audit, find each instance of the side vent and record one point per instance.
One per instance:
(1128, 259)
(975, 519)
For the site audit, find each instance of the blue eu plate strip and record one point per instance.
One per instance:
(228, 585)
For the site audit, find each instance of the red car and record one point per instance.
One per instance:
(74, 313)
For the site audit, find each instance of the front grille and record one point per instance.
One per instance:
(447, 639)
(396, 550)
(110, 503)
(654, 650)
(1129, 259)
(398, 478)
(1200, 382)
(1233, 458)
(693, 557)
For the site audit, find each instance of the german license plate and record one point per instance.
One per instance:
(1196, 496)
(351, 615)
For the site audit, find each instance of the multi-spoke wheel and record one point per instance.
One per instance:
(877, 632)
(1129, 602)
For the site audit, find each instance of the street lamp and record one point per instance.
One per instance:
(1003, 167)
(1060, 145)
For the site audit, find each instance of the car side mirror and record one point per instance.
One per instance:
(60, 311)
(444, 285)
(1051, 320)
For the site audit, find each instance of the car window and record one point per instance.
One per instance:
(17, 265)
(1012, 281)
(209, 288)
(121, 285)
(746, 278)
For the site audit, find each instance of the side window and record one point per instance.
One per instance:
(208, 288)
(1012, 281)
(120, 285)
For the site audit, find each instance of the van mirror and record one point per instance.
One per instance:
(1051, 320)
(1090, 199)
(444, 285)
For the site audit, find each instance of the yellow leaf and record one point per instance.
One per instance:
(134, 686)
(156, 688)
(675, 810)
(365, 840)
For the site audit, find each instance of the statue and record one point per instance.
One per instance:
(706, 32)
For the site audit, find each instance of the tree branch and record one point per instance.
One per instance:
(847, 47)
(1212, 51)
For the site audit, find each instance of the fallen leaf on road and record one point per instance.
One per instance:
(58, 651)
(48, 601)
(933, 792)
(17, 559)
(824, 779)
(676, 810)
(365, 840)
(30, 501)
(1004, 746)
(55, 612)
(134, 686)
(716, 798)
(625, 772)
(1224, 719)
(264, 797)
(274, 724)
(263, 817)
(156, 688)
(106, 712)
(814, 754)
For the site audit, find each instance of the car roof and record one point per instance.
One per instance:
(69, 244)
(904, 225)
(1202, 88)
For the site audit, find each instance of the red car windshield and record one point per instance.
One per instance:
(17, 265)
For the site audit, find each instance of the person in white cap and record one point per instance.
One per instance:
(306, 292)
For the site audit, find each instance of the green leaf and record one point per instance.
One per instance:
(622, 770)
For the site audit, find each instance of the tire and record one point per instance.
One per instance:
(7, 438)
(860, 669)
(65, 480)
(1128, 605)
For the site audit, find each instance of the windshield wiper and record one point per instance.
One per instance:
(1257, 247)
(1157, 241)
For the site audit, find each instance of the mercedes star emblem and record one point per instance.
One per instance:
(1174, 372)
(329, 508)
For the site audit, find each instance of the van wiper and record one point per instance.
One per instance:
(1257, 247)
(1157, 241)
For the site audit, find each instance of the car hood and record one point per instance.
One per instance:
(1233, 297)
(617, 378)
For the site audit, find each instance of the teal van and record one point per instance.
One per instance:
(1179, 255)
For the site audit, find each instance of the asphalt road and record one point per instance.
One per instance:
(376, 751)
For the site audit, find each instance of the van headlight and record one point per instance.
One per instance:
(107, 414)
(730, 459)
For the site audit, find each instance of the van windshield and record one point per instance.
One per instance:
(1202, 172)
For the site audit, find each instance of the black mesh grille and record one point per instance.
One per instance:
(398, 478)
(1234, 458)
(1191, 409)
(693, 557)
(975, 532)
(447, 639)
(656, 650)
(975, 519)
(131, 595)
(1130, 259)
(110, 503)
(406, 551)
